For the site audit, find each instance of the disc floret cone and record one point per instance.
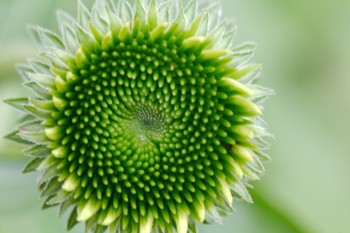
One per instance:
(146, 118)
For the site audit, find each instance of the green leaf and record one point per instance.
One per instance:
(72, 220)
(35, 137)
(52, 187)
(66, 204)
(17, 103)
(32, 165)
(125, 12)
(32, 126)
(23, 71)
(64, 19)
(83, 37)
(37, 151)
(191, 10)
(44, 80)
(39, 66)
(49, 174)
(70, 39)
(217, 34)
(44, 105)
(48, 38)
(83, 15)
(62, 56)
(213, 213)
(227, 39)
(153, 15)
(243, 53)
(90, 223)
(97, 19)
(100, 229)
(34, 35)
(47, 162)
(38, 89)
(16, 138)
(26, 118)
(59, 198)
(46, 205)
(55, 60)
(239, 188)
(37, 113)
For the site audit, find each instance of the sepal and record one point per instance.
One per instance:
(35, 137)
(32, 165)
(14, 136)
(17, 103)
(72, 220)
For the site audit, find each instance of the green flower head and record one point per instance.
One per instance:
(145, 118)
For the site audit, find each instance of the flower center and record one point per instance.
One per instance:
(147, 123)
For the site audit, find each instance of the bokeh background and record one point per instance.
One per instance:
(304, 46)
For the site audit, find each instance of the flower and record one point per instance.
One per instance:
(145, 118)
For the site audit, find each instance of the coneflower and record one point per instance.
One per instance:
(145, 119)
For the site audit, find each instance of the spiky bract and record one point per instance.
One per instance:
(145, 119)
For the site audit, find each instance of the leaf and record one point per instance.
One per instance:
(98, 21)
(213, 213)
(218, 32)
(26, 118)
(38, 151)
(44, 105)
(124, 11)
(192, 226)
(49, 173)
(53, 186)
(64, 19)
(17, 103)
(63, 56)
(239, 188)
(37, 113)
(100, 229)
(39, 66)
(49, 161)
(66, 204)
(59, 198)
(153, 15)
(72, 220)
(70, 39)
(34, 35)
(83, 15)
(191, 11)
(32, 165)
(90, 223)
(49, 38)
(38, 89)
(23, 71)
(55, 60)
(46, 205)
(44, 80)
(260, 92)
(35, 137)
(166, 11)
(16, 138)
(84, 37)
(44, 37)
(228, 38)
(243, 53)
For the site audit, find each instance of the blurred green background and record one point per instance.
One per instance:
(304, 46)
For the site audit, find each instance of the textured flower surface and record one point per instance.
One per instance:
(145, 118)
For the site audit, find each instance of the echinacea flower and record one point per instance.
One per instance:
(145, 119)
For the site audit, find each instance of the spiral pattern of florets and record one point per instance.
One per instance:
(146, 118)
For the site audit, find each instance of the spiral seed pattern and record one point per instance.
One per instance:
(140, 124)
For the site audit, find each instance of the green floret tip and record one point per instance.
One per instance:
(145, 117)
